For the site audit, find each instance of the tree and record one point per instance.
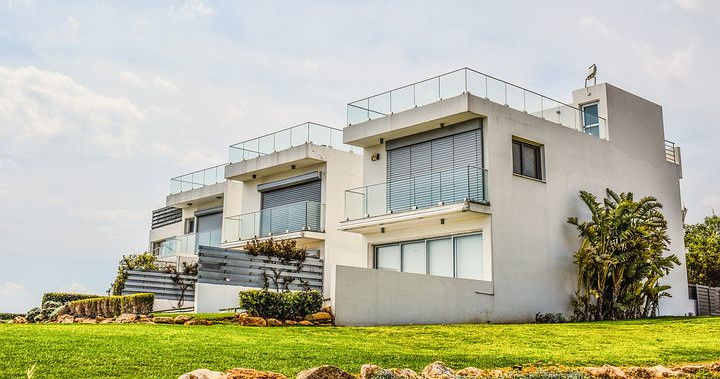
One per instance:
(283, 260)
(144, 261)
(178, 277)
(620, 260)
(703, 257)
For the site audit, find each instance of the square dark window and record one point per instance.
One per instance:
(527, 159)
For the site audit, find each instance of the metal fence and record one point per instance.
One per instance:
(160, 283)
(708, 299)
(238, 268)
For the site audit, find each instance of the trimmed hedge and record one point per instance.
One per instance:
(62, 297)
(10, 316)
(113, 306)
(281, 305)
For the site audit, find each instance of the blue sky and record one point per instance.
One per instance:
(102, 102)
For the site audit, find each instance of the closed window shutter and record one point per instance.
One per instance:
(291, 208)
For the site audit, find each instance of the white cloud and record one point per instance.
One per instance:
(110, 214)
(11, 289)
(77, 287)
(191, 9)
(131, 78)
(676, 66)
(595, 24)
(165, 83)
(689, 4)
(712, 201)
(44, 106)
(72, 24)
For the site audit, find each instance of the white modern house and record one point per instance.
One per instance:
(444, 201)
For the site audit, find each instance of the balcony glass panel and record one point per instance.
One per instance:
(402, 99)
(496, 91)
(197, 179)
(427, 92)
(188, 244)
(452, 84)
(295, 217)
(515, 97)
(476, 83)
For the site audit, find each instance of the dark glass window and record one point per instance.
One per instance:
(591, 122)
(526, 159)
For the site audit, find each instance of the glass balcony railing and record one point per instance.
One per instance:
(445, 187)
(188, 244)
(198, 179)
(295, 217)
(466, 80)
(308, 132)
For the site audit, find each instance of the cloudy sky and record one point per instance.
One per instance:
(101, 103)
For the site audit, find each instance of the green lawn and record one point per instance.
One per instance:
(166, 351)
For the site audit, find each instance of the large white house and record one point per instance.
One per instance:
(444, 201)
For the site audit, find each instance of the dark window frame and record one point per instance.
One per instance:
(596, 126)
(538, 152)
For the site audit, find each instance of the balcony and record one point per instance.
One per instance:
(188, 244)
(468, 81)
(308, 132)
(198, 179)
(304, 216)
(466, 184)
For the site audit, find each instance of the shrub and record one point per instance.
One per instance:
(32, 314)
(10, 316)
(112, 306)
(550, 318)
(280, 305)
(63, 298)
(144, 261)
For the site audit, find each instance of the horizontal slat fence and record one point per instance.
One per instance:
(158, 282)
(238, 268)
(708, 299)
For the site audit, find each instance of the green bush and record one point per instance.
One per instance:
(550, 318)
(112, 306)
(63, 298)
(280, 305)
(10, 316)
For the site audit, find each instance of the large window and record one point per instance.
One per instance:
(456, 256)
(591, 122)
(527, 159)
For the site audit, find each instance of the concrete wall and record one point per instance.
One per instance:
(210, 298)
(377, 297)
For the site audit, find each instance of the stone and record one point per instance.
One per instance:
(66, 319)
(163, 320)
(274, 322)
(99, 319)
(107, 321)
(79, 320)
(324, 372)
(203, 373)
(691, 369)
(19, 320)
(715, 366)
(181, 319)
(198, 322)
(144, 319)
(327, 309)
(471, 372)
(290, 322)
(126, 318)
(89, 321)
(606, 371)
(437, 370)
(244, 373)
(253, 321)
(661, 372)
(377, 372)
(305, 323)
(496, 373)
(319, 317)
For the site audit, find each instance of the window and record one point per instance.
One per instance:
(190, 225)
(591, 121)
(527, 159)
(454, 256)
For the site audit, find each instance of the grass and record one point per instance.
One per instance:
(167, 351)
(214, 317)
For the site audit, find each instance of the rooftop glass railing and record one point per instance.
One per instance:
(308, 132)
(188, 244)
(295, 217)
(466, 80)
(424, 191)
(670, 152)
(198, 179)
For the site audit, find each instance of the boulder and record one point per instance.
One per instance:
(126, 318)
(89, 321)
(203, 373)
(377, 372)
(715, 366)
(107, 321)
(19, 320)
(163, 320)
(327, 309)
(79, 320)
(144, 319)
(691, 369)
(305, 323)
(66, 319)
(437, 370)
(290, 322)
(253, 321)
(496, 373)
(324, 372)
(274, 322)
(320, 317)
(661, 372)
(181, 319)
(606, 371)
(244, 373)
(198, 322)
(471, 372)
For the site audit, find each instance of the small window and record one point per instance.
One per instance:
(591, 121)
(190, 225)
(527, 159)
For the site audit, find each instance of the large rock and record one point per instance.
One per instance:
(437, 370)
(471, 372)
(377, 372)
(107, 321)
(253, 321)
(203, 373)
(244, 373)
(305, 323)
(606, 371)
(274, 322)
(324, 372)
(163, 320)
(66, 319)
(181, 319)
(198, 322)
(691, 369)
(290, 322)
(126, 318)
(320, 317)
(19, 320)
(89, 321)
(653, 372)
